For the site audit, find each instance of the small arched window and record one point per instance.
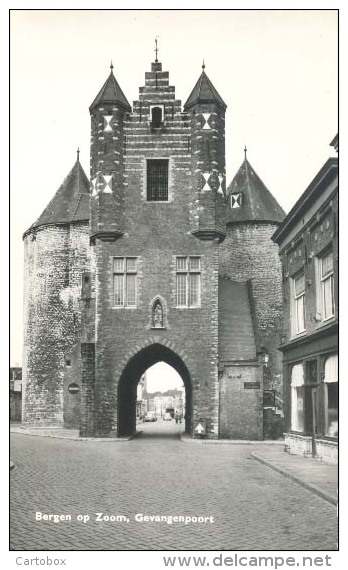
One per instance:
(156, 117)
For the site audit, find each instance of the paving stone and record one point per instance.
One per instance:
(254, 507)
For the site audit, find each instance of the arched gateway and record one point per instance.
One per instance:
(153, 258)
(127, 385)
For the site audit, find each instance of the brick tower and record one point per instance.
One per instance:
(206, 110)
(155, 234)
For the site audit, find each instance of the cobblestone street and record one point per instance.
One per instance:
(253, 507)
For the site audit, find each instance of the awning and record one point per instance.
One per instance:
(297, 375)
(331, 369)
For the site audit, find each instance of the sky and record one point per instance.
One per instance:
(277, 71)
(161, 377)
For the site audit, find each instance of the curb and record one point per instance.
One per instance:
(185, 439)
(72, 438)
(297, 480)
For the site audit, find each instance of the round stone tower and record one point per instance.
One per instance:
(249, 255)
(55, 256)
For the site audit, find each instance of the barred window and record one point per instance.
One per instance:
(188, 281)
(157, 180)
(125, 281)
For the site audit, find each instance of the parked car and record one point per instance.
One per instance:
(167, 417)
(150, 417)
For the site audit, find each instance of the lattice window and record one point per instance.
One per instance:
(188, 281)
(125, 282)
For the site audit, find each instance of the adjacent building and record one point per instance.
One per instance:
(16, 393)
(308, 244)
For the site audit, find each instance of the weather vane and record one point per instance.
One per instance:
(245, 151)
(156, 49)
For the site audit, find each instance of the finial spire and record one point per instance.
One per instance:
(156, 49)
(203, 65)
(78, 154)
(111, 66)
(245, 152)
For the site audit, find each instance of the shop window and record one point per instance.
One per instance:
(331, 395)
(125, 282)
(157, 181)
(297, 398)
(298, 312)
(325, 287)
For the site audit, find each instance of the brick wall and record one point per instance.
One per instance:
(241, 413)
(87, 426)
(155, 233)
(55, 257)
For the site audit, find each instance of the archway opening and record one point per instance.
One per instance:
(155, 382)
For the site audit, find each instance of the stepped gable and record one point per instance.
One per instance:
(204, 92)
(236, 329)
(71, 201)
(249, 200)
(111, 92)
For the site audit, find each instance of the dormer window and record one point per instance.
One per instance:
(156, 116)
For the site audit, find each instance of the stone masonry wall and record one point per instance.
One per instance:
(55, 257)
(241, 414)
(249, 254)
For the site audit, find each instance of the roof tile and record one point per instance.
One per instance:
(204, 92)
(71, 201)
(256, 203)
(111, 92)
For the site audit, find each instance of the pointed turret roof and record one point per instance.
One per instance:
(252, 201)
(204, 92)
(71, 201)
(111, 92)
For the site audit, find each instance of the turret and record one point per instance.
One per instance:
(108, 112)
(56, 253)
(249, 200)
(206, 110)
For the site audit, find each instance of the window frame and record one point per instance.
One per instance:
(331, 384)
(296, 299)
(297, 388)
(321, 287)
(189, 273)
(124, 273)
(149, 191)
(151, 122)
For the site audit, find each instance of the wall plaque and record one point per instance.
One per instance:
(251, 385)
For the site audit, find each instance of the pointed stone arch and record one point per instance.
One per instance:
(130, 371)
